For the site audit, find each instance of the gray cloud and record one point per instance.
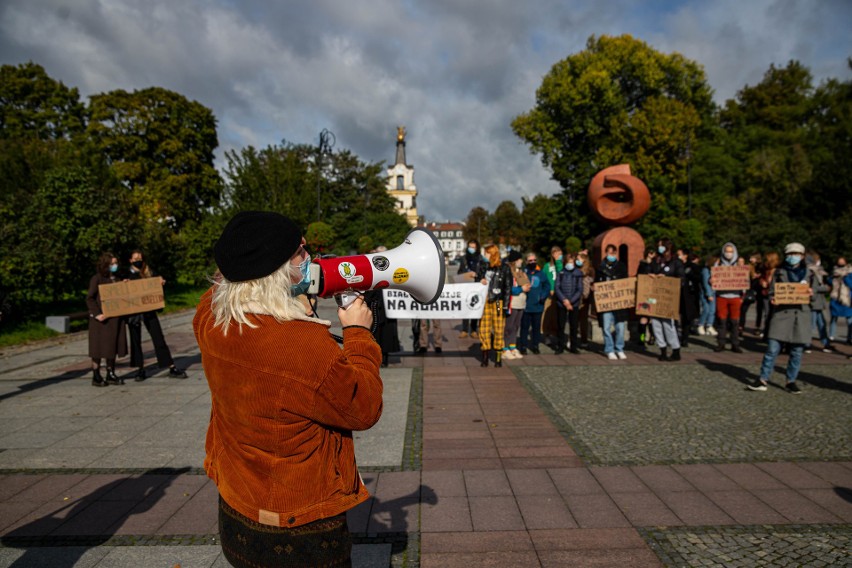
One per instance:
(455, 73)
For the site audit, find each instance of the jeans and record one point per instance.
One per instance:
(607, 323)
(530, 325)
(833, 328)
(665, 333)
(708, 311)
(772, 351)
(818, 321)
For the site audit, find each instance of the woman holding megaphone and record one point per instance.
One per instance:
(285, 399)
(498, 277)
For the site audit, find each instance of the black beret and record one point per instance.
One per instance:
(513, 256)
(255, 244)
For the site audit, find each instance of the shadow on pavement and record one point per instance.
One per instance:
(89, 521)
(745, 376)
(41, 383)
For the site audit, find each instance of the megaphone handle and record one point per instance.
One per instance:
(345, 299)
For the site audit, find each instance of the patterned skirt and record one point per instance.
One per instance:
(249, 544)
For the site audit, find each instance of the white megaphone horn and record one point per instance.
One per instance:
(416, 266)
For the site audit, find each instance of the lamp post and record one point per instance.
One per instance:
(326, 143)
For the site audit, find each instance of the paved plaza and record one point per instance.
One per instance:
(552, 461)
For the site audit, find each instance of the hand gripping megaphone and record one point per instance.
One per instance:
(416, 266)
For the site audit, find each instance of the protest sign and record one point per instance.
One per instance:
(457, 301)
(730, 277)
(131, 296)
(615, 295)
(658, 297)
(787, 293)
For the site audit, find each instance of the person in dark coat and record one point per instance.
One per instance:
(612, 269)
(791, 323)
(690, 291)
(569, 293)
(470, 265)
(385, 329)
(138, 270)
(666, 265)
(107, 338)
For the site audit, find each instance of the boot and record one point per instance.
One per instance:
(140, 375)
(97, 379)
(484, 358)
(675, 355)
(735, 340)
(498, 361)
(664, 354)
(112, 378)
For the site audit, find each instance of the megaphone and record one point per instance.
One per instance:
(416, 266)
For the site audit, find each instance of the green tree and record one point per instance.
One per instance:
(33, 105)
(506, 221)
(160, 146)
(320, 237)
(477, 226)
(545, 222)
(618, 101)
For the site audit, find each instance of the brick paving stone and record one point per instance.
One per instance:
(635, 558)
(491, 541)
(645, 509)
(745, 508)
(545, 512)
(795, 507)
(662, 478)
(575, 481)
(748, 476)
(586, 539)
(838, 503)
(834, 473)
(480, 560)
(447, 514)
(596, 511)
(487, 483)
(444, 483)
(495, 514)
(694, 508)
(619, 480)
(792, 475)
(530, 482)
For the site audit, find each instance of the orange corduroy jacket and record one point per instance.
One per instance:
(285, 399)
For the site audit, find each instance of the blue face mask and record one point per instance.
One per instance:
(570, 266)
(793, 259)
(305, 283)
(579, 262)
(661, 250)
(471, 250)
(610, 258)
(113, 268)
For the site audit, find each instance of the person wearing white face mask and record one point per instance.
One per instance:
(791, 323)
(728, 305)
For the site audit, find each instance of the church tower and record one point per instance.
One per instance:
(401, 181)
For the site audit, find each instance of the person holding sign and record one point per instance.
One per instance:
(107, 338)
(729, 301)
(139, 269)
(612, 269)
(667, 264)
(790, 293)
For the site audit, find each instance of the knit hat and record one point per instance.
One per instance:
(513, 256)
(255, 244)
(793, 248)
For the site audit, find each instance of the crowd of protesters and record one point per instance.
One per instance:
(532, 303)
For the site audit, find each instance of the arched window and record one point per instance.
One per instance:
(400, 182)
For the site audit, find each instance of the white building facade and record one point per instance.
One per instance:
(401, 182)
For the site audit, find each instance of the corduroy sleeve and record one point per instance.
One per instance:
(350, 395)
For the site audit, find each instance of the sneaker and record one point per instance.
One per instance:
(808, 350)
(508, 354)
(701, 330)
(757, 385)
(612, 356)
(438, 350)
(828, 349)
(462, 335)
(474, 334)
(177, 373)
(621, 355)
(792, 388)
(712, 331)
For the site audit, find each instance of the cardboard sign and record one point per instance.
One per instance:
(658, 297)
(730, 277)
(131, 297)
(615, 295)
(792, 293)
(457, 301)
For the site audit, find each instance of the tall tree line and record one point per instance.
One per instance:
(136, 170)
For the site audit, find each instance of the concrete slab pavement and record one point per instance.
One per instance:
(539, 463)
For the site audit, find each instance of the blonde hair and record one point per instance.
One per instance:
(493, 252)
(270, 295)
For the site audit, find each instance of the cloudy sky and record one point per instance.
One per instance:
(454, 72)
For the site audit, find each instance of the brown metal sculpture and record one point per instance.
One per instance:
(618, 198)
